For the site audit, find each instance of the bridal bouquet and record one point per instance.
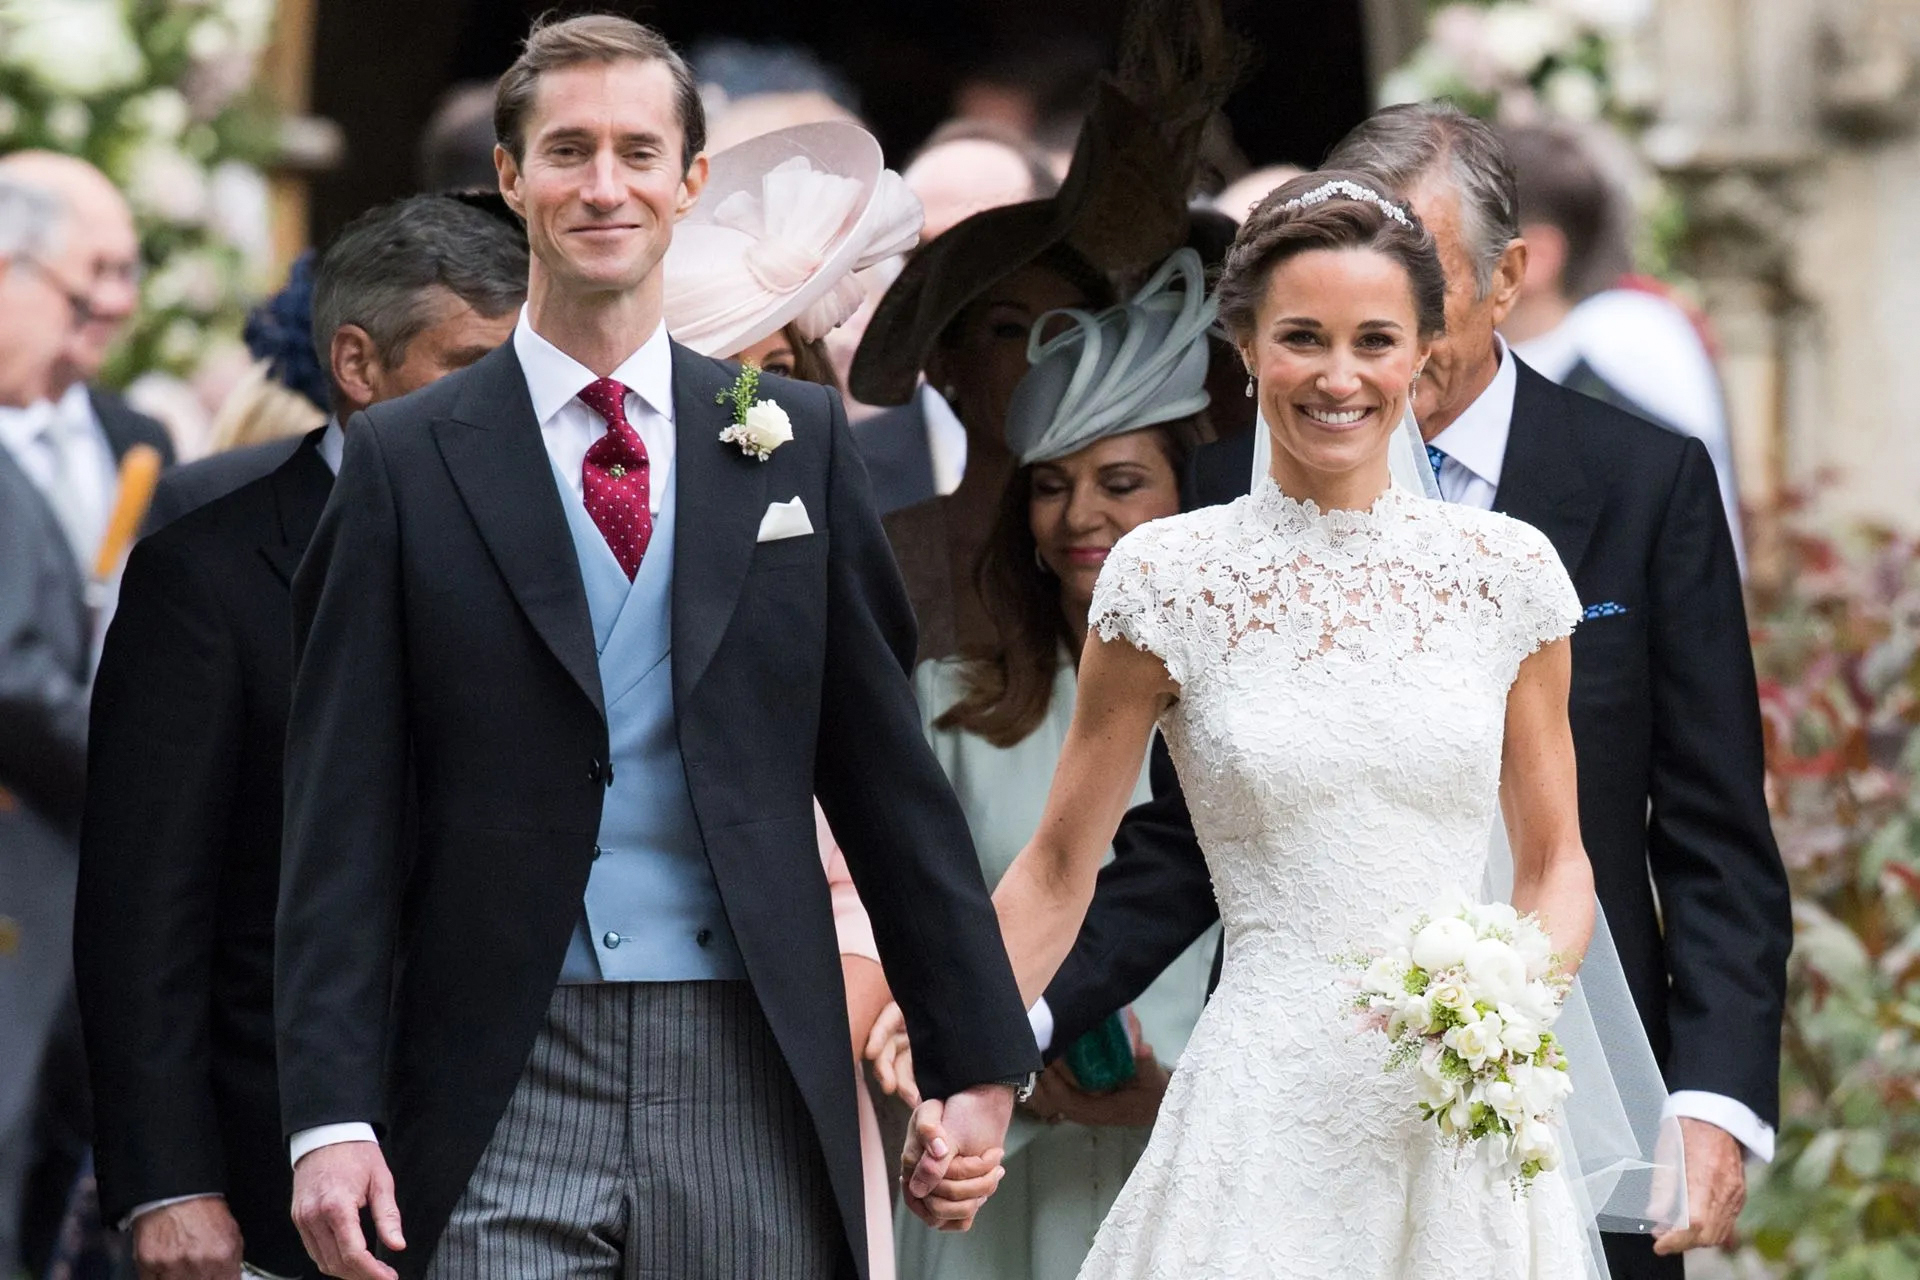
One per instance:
(1466, 995)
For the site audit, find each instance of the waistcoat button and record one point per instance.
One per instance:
(704, 937)
(612, 939)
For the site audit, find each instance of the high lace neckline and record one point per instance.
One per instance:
(1298, 515)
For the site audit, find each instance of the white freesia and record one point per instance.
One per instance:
(77, 48)
(1442, 944)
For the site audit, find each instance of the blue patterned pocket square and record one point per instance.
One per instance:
(1607, 610)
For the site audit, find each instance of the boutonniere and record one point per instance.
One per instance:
(759, 426)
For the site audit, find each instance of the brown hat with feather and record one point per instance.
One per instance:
(1122, 207)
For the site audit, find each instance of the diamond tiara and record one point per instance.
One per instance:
(1351, 191)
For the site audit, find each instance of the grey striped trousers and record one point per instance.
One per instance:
(656, 1132)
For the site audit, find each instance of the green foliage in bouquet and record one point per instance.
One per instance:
(160, 95)
(1838, 647)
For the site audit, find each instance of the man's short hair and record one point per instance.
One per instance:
(31, 220)
(1402, 146)
(1561, 184)
(1024, 149)
(592, 38)
(379, 270)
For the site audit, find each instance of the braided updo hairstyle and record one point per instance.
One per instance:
(1273, 233)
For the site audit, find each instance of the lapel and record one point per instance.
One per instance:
(719, 496)
(1541, 481)
(300, 488)
(492, 446)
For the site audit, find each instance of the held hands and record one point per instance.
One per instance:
(1716, 1188)
(330, 1186)
(951, 1164)
(193, 1240)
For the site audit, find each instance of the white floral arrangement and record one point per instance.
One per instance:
(1524, 60)
(1467, 995)
(159, 95)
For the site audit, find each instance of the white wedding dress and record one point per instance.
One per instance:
(1343, 685)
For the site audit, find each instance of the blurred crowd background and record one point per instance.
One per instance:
(1721, 196)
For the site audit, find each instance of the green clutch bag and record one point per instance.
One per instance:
(1102, 1059)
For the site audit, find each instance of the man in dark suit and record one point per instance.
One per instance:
(180, 849)
(1664, 707)
(607, 628)
(45, 663)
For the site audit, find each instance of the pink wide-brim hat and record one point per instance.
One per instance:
(785, 223)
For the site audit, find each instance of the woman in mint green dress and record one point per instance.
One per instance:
(1102, 424)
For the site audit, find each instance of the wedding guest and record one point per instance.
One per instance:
(1665, 713)
(75, 456)
(1100, 444)
(1584, 322)
(960, 313)
(179, 866)
(818, 194)
(456, 148)
(918, 450)
(1238, 197)
(45, 664)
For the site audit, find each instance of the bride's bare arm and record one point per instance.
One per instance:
(1551, 875)
(1045, 893)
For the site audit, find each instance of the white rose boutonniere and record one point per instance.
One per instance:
(759, 426)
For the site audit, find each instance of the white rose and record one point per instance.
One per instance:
(1573, 94)
(767, 426)
(1442, 944)
(1520, 36)
(166, 183)
(69, 122)
(80, 48)
(1496, 970)
(1450, 995)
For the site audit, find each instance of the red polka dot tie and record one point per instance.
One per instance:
(613, 479)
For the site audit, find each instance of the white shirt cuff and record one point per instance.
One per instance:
(327, 1135)
(140, 1210)
(1737, 1118)
(1040, 1018)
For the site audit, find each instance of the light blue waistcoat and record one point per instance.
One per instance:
(652, 910)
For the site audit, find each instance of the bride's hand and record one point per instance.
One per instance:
(892, 1055)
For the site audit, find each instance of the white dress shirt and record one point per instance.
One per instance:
(568, 428)
(1476, 445)
(555, 381)
(64, 451)
(333, 445)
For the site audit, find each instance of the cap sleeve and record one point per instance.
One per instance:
(1538, 603)
(1134, 599)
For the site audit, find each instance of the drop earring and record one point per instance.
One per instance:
(1040, 563)
(1249, 386)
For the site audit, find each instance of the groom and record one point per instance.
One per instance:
(1664, 709)
(554, 942)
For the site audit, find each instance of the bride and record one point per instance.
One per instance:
(1350, 678)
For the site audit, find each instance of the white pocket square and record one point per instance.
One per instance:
(784, 520)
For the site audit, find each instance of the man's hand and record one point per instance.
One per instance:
(193, 1240)
(892, 1056)
(330, 1186)
(1134, 1105)
(1716, 1188)
(952, 1158)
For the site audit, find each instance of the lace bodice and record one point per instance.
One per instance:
(1343, 679)
(1343, 682)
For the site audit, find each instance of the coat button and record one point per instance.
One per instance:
(704, 937)
(611, 939)
(593, 771)
(596, 853)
